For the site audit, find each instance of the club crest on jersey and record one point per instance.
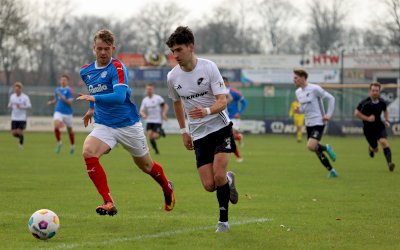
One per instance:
(199, 81)
(103, 74)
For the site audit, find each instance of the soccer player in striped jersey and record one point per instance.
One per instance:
(63, 99)
(235, 109)
(198, 91)
(310, 97)
(116, 121)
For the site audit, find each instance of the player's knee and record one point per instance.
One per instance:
(209, 186)
(220, 179)
(384, 143)
(87, 153)
(311, 147)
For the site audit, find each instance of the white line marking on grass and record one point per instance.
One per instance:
(156, 235)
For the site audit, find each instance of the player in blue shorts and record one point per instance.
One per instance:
(116, 120)
(63, 99)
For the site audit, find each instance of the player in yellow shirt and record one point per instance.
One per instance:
(298, 119)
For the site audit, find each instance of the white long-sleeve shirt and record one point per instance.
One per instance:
(311, 104)
(19, 105)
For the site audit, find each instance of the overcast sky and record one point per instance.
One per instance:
(361, 12)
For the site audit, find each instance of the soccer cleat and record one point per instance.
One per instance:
(58, 148)
(170, 199)
(162, 133)
(330, 152)
(371, 153)
(239, 160)
(21, 146)
(72, 150)
(391, 166)
(332, 173)
(233, 194)
(222, 227)
(107, 208)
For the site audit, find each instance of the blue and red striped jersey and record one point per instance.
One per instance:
(102, 80)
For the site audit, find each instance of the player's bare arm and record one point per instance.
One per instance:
(87, 118)
(363, 117)
(218, 106)
(326, 118)
(143, 114)
(165, 111)
(386, 116)
(179, 113)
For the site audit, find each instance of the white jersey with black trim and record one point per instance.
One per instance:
(198, 88)
(152, 106)
(310, 98)
(19, 105)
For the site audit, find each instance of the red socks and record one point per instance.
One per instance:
(99, 178)
(157, 173)
(237, 154)
(57, 133)
(238, 137)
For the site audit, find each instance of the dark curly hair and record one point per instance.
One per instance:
(182, 35)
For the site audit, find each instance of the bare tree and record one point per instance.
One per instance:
(393, 25)
(221, 34)
(47, 24)
(326, 24)
(275, 17)
(13, 35)
(156, 23)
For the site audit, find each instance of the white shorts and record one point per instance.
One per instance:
(66, 119)
(132, 138)
(236, 124)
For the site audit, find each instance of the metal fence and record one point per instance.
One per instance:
(264, 102)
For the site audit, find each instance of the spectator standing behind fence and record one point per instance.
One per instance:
(19, 103)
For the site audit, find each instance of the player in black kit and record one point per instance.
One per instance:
(369, 111)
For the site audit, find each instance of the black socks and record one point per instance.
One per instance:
(223, 201)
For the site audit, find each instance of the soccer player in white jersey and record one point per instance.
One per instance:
(154, 110)
(19, 103)
(310, 97)
(116, 121)
(196, 87)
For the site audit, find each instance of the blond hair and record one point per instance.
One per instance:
(19, 84)
(106, 36)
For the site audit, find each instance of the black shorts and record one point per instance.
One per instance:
(156, 127)
(373, 134)
(315, 132)
(221, 141)
(18, 125)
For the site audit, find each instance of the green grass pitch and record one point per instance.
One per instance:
(286, 200)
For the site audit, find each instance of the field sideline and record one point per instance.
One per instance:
(286, 200)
